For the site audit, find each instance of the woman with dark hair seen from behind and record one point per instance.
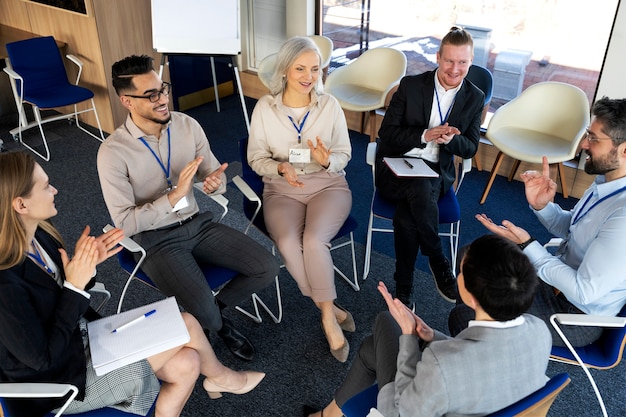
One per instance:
(299, 144)
(43, 304)
(422, 372)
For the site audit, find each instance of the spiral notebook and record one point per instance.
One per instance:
(162, 330)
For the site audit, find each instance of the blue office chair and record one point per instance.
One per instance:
(251, 186)
(38, 78)
(216, 276)
(47, 390)
(381, 209)
(536, 404)
(604, 353)
(483, 79)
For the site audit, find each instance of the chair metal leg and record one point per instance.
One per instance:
(256, 301)
(354, 283)
(368, 246)
(580, 362)
(492, 176)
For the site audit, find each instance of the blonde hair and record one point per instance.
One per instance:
(287, 55)
(16, 180)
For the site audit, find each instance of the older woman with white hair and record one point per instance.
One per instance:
(299, 144)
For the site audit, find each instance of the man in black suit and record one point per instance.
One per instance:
(434, 116)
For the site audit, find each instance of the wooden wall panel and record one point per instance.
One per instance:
(125, 29)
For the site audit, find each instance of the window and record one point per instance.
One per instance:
(533, 40)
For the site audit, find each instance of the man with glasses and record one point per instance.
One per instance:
(147, 168)
(586, 275)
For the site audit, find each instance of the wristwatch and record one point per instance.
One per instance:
(524, 245)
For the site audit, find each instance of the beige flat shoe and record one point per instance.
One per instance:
(342, 352)
(347, 324)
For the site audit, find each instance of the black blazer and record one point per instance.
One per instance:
(40, 340)
(407, 118)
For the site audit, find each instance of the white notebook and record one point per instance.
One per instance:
(156, 333)
(409, 167)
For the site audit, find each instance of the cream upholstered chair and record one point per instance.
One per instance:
(266, 69)
(325, 45)
(548, 118)
(362, 86)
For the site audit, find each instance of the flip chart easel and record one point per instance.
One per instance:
(233, 65)
(199, 27)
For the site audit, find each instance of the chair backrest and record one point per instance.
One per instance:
(605, 353)
(538, 403)
(555, 110)
(377, 69)
(325, 45)
(38, 61)
(266, 69)
(482, 78)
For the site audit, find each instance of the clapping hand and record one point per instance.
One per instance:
(409, 322)
(88, 253)
(319, 152)
(214, 180)
(507, 229)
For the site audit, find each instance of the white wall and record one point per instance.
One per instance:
(611, 82)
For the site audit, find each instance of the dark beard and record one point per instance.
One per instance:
(163, 122)
(602, 166)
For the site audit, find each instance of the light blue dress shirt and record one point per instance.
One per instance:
(589, 267)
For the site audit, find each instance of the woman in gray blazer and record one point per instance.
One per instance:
(423, 372)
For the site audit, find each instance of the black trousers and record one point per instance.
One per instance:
(415, 222)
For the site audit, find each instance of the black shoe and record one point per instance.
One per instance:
(307, 410)
(237, 343)
(405, 296)
(444, 279)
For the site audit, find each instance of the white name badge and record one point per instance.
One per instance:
(298, 155)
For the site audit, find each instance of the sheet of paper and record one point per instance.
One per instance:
(163, 330)
(409, 167)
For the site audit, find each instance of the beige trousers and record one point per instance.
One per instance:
(302, 222)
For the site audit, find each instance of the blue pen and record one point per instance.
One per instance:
(130, 323)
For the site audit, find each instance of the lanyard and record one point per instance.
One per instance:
(299, 129)
(443, 120)
(169, 155)
(579, 216)
(39, 259)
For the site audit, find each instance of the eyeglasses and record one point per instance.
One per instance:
(156, 96)
(591, 138)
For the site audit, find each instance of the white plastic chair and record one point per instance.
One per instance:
(363, 85)
(548, 118)
(325, 45)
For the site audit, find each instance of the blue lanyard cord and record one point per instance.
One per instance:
(39, 259)
(443, 120)
(169, 156)
(299, 129)
(580, 213)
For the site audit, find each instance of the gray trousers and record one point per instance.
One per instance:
(172, 263)
(375, 361)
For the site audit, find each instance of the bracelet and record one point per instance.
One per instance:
(524, 245)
